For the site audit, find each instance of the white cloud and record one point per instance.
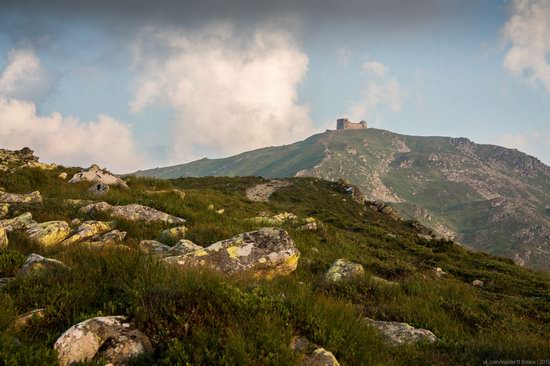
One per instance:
(230, 93)
(63, 140)
(533, 143)
(24, 77)
(528, 32)
(381, 91)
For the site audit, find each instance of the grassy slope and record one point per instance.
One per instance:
(454, 204)
(205, 318)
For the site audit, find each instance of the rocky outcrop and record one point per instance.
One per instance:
(24, 158)
(343, 269)
(265, 253)
(25, 198)
(262, 192)
(21, 222)
(96, 175)
(36, 262)
(23, 320)
(49, 233)
(311, 354)
(384, 208)
(112, 237)
(182, 247)
(132, 212)
(88, 229)
(110, 338)
(397, 333)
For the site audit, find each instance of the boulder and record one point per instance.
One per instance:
(110, 238)
(478, 283)
(27, 198)
(266, 252)
(182, 247)
(21, 222)
(97, 175)
(310, 226)
(439, 272)
(397, 333)
(110, 338)
(172, 235)
(343, 269)
(62, 175)
(36, 262)
(132, 212)
(23, 320)
(49, 233)
(88, 229)
(311, 354)
(3, 238)
(99, 189)
(4, 210)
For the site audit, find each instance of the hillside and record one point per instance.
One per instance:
(350, 272)
(485, 197)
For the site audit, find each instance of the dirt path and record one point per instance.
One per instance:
(261, 192)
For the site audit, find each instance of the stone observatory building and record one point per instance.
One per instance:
(345, 124)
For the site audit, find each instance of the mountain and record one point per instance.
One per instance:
(486, 197)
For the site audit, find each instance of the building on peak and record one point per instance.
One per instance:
(344, 124)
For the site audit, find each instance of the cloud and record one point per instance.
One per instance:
(528, 33)
(229, 93)
(382, 91)
(24, 77)
(55, 138)
(533, 143)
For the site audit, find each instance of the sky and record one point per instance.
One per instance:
(136, 84)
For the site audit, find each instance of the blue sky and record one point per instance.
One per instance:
(142, 91)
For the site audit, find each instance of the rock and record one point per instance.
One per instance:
(384, 208)
(343, 269)
(97, 175)
(3, 238)
(439, 272)
(99, 189)
(23, 320)
(77, 202)
(220, 211)
(163, 250)
(172, 235)
(88, 229)
(478, 283)
(401, 333)
(310, 226)
(312, 354)
(262, 192)
(132, 212)
(4, 210)
(76, 222)
(275, 220)
(110, 338)
(27, 198)
(49, 233)
(62, 175)
(267, 252)
(21, 222)
(36, 262)
(211, 207)
(110, 238)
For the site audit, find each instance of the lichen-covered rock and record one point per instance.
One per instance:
(265, 253)
(343, 269)
(99, 189)
(110, 338)
(88, 229)
(36, 262)
(439, 272)
(132, 212)
(275, 220)
(49, 233)
(172, 235)
(21, 222)
(4, 210)
(109, 238)
(310, 226)
(3, 238)
(478, 283)
(163, 250)
(400, 333)
(23, 320)
(97, 175)
(311, 354)
(62, 175)
(27, 198)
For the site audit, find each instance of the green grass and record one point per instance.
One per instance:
(199, 317)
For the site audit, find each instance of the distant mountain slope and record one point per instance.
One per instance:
(487, 197)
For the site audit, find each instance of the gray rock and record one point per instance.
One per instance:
(343, 269)
(21, 222)
(172, 235)
(97, 175)
(110, 338)
(182, 247)
(26, 198)
(267, 252)
(36, 262)
(400, 333)
(23, 320)
(132, 212)
(312, 354)
(478, 283)
(99, 189)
